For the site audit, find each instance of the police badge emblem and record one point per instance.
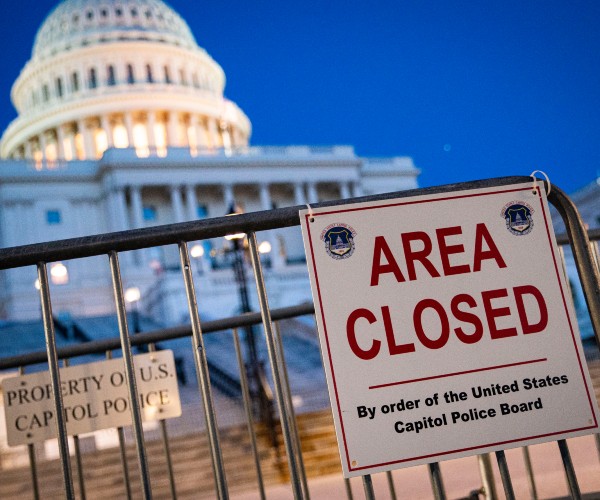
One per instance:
(518, 217)
(339, 240)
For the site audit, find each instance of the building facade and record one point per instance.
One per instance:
(122, 123)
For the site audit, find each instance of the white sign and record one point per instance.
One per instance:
(446, 327)
(95, 397)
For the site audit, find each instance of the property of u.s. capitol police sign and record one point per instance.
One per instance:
(446, 327)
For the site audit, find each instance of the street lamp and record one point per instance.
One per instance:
(254, 366)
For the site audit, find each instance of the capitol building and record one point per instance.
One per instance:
(123, 124)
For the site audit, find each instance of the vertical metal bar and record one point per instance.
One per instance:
(123, 451)
(61, 427)
(33, 467)
(487, 476)
(78, 459)
(368, 486)
(291, 413)
(79, 463)
(348, 489)
(136, 416)
(202, 372)
(32, 460)
(530, 477)
(248, 411)
(390, 480)
(569, 470)
(505, 475)
(273, 351)
(435, 474)
(166, 445)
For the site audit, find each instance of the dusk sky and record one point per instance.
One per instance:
(470, 89)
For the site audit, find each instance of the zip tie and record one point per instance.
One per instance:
(311, 217)
(534, 187)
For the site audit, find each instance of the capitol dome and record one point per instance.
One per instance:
(119, 73)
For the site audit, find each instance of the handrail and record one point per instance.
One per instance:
(154, 336)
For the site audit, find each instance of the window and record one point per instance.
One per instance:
(130, 75)
(93, 83)
(45, 92)
(89, 14)
(202, 211)
(53, 217)
(134, 12)
(149, 77)
(149, 212)
(119, 12)
(182, 78)
(74, 82)
(110, 79)
(59, 87)
(167, 75)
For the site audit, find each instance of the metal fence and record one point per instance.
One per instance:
(113, 244)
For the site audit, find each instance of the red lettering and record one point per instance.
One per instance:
(498, 312)
(418, 255)
(351, 333)
(389, 333)
(482, 235)
(537, 295)
(446, 250)
(466, 317)
(381, 247)
(445, 324)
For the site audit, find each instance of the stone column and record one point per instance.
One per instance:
(105, 124)
(28, 150)
(299, 197)
(60, 142)
(191, 202)
(313, 197)
(176, 203)
(344, 190)
(43, 144)
(89, 151)
(213, 133)
(228, 196)
(172, 139)
(137, 220)
(151, 125)
(137, 207)
(128, 121)
(267, 204)
(195, 143)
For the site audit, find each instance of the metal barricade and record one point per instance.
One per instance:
(113, 244)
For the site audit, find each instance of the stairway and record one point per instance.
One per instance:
(191, 463)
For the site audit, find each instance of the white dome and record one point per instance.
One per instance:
(119, 73)
(77, 23)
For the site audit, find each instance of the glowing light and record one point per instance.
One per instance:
(236, 236)
(36, 284)
(59, 273)
(140, 140)
(264, 247)
(197, 251)
(101, 142)
(132, 294)
(120, 139)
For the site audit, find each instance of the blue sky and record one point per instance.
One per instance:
(469, 89)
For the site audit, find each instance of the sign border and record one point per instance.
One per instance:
(459, 195)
